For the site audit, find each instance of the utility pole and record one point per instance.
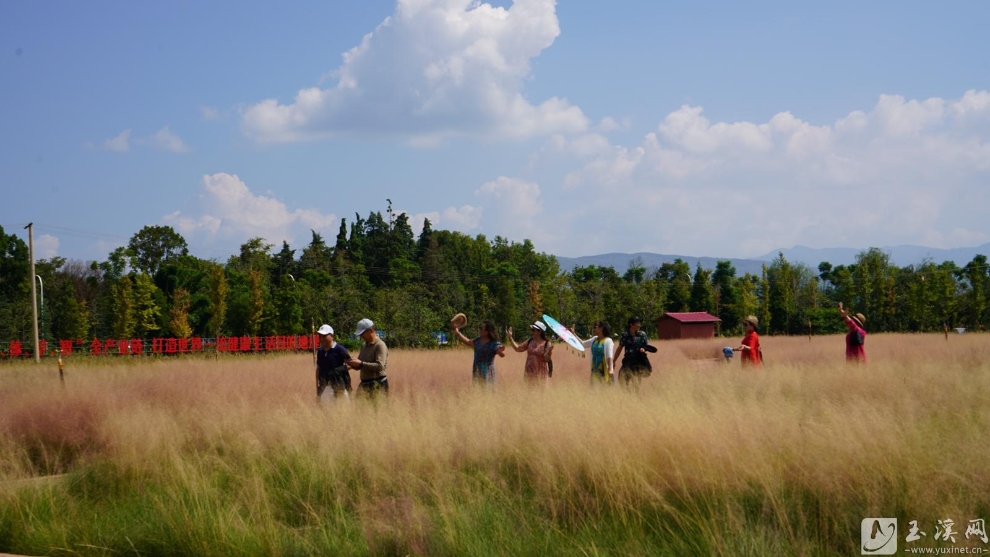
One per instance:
(42, 284)
(34, 293)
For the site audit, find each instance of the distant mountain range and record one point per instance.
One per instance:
(899, 255)
(620, 262)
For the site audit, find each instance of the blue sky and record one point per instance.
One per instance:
(701, 129)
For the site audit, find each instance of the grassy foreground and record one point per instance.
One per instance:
(233, 456)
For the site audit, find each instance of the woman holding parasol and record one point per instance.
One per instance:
(538, 352)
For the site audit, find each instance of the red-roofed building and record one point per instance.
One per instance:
(696, 324)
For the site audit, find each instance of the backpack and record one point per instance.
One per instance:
(857, 338)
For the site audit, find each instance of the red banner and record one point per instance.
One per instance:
(168, 346)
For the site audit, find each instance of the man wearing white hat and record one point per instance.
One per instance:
(371, 361)
(331, 368)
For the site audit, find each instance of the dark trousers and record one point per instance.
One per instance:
(372, 388)
(338, 379)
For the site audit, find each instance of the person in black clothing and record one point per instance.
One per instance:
(331, 370)
(635, 364)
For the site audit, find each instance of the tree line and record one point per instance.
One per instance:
(410, 286)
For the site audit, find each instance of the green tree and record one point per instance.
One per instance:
(783, 299)
(702, 295)
(764, 297)
(153, 245)
(726, 296)
(178, 314)
(976, 277)
(317, 255)
(124, 317)
(288, 310)
(256, 309)
(218, 292)
(147, 310)
(874, 284)
(677, 275)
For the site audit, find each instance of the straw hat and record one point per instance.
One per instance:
(859, 318)
(458, 321)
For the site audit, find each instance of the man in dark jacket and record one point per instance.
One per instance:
(331, 368)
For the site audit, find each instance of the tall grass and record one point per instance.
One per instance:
(234, 456)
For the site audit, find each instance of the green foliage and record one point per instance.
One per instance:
(411, 286)
(124, 318)
(154, 245)
(147, 302)
(678, 276)
(702, 293)
(726, 294)
(178, 317)
(218, 291)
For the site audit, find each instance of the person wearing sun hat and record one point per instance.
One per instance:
(749, 349)
(538, 353)
(331, 368)
(372, 360)
(856, 339)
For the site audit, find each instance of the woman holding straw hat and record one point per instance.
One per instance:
(856, 339)
(486, 347)
(601, 347)
(750, 350)
(538, 353)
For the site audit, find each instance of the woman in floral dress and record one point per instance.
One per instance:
(538, 353)
(486, 347)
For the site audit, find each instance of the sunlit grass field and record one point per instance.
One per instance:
(233, 456)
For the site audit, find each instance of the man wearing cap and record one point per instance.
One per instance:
(856, 339)
(331, 368)
(371, 361)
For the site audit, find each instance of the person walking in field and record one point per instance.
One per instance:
(331, 365)
(635, 364)
(372, 360)
(486, 347)
(601, 347)
(751, 353)
(539, 366)
(856, 339)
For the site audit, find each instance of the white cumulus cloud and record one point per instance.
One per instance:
(230, 210)
(902, 171)
(120, 143)
(45, 246)
(434, 69)
(165, 140)
(162, 140)
(462, 219)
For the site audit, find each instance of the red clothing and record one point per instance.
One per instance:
(855, 342)
(751, 356)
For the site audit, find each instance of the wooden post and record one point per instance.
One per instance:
(809, 330)
(61, 376)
